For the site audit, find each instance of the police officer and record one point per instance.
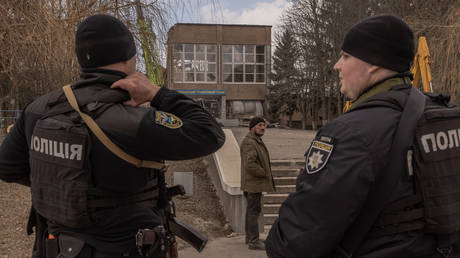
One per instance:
(350, 154)
(118, 198)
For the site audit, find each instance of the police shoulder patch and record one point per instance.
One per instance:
(318, 154)
(168, 120)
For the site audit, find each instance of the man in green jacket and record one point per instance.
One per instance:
(256, 177)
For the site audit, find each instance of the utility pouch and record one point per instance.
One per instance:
(71, 247)
(152, 243)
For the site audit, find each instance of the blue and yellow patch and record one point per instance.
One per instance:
(318, 154)
(168, 120)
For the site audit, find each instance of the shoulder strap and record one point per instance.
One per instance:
(106, 140)
(386, 183)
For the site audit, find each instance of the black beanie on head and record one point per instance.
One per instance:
(102, 40)
(254, 121)
(381, 40)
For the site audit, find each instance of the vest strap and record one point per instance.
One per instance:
(105, 139)
(386, 182)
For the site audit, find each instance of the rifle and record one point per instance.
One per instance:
(173, 226)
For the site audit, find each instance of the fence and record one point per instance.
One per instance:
(7, 117)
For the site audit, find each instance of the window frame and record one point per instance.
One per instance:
(244, 63)
(194, 62)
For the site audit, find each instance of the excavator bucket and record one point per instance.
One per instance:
(421, 67)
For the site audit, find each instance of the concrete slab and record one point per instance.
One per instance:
(233, 247)
(185, 179)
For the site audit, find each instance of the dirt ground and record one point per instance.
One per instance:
(14, 210)
(202, 211)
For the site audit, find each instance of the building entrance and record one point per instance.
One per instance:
(212, 105)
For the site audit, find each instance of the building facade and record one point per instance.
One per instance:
(224, 67)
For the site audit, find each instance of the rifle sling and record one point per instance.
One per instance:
(105, 139)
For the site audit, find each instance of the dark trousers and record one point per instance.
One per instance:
(252, 216)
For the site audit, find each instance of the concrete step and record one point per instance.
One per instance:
(285, 172)
(275, 198)
(284, 180)
(285, 189)
(287, 163)
(271, 208)
(270, 218)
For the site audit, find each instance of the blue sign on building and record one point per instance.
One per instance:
(203, 92)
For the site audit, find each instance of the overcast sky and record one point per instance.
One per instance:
(259, 12)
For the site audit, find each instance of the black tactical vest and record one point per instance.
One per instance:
(437, 168)
(434, 165)
(61, 181)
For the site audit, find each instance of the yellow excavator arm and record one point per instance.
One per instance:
(8, 129)
(421, 67)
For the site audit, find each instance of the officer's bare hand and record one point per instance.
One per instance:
(139, 87)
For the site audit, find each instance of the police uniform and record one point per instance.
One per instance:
(342, 163)
(173, 128)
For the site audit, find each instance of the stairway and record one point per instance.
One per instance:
(284, 174)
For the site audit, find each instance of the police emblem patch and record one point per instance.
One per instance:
(167, 119)
(317, 156)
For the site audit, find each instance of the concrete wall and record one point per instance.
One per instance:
(224, 169)
(234, 204)
(220, 34)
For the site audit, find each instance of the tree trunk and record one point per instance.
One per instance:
(313, 117)
(339, 104)
(304, 119)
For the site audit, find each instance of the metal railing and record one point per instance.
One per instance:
(7, 117)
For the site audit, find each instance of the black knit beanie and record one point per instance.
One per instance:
(102, 40)
(254, 121)
(381, 40)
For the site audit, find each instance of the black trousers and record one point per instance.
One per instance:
(252, 216)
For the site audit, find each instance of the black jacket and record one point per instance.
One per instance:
(342, 163)
(137, 130)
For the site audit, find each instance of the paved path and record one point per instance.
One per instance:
(282, 144)
(233, 247)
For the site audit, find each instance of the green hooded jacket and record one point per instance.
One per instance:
(256, 174)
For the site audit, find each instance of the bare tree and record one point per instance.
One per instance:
(37, 38)
(309, 21)
(319, 27)
(37, 47)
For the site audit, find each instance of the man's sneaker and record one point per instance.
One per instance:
(257, 245)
